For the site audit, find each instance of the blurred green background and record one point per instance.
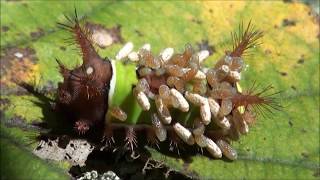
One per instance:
(283, 147)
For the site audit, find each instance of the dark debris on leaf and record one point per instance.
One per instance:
(16, 64)
(301, 60)
(37, 34)
(139, 33)
(290, 123)
(288, 22)
(305, 155)
(197, 21)
(4, 103)
(62, 48)
(316, 173)
(4, 28)
(283, 73)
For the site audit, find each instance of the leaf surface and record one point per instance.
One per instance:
(284, 146)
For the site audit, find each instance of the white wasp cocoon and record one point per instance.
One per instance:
(235, 76)
(185, 70)
(183, 133)
(213, 149)
(244, 127)
(227, 150)
(214, 107)
(143, 85)
(159, 129)
(182, 102)
(166, 54)
(240, 123)
(204, 54)
(164, 91)
(195, 98)
(205, 112)
(226, 107)
(146, 46)
(133, 56)
(125, 51)
(144, 71)
(173, 101)
(175, 70)
(150, 95)
(200, 75)
(142, 99)
(201, 140)
(223, 123)
(163, 111)
(118, 113)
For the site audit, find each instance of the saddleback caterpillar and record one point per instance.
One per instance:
(167, 98)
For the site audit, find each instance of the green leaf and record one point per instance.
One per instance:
(17, 162)
(284, 146)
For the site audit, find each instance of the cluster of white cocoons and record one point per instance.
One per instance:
(188, 85)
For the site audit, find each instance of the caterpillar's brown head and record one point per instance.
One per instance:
(83, 94)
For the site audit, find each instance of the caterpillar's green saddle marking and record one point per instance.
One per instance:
(120, 94)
